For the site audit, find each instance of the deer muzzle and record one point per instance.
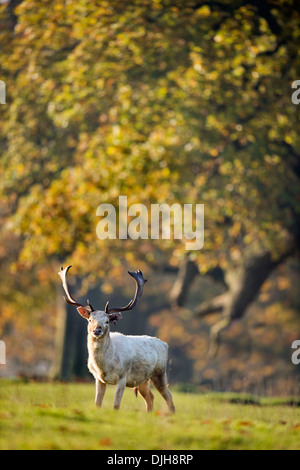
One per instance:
(98, 332)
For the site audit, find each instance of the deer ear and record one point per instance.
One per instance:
(84, 312)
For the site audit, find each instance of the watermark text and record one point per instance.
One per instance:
(296, 354)
(2, 353)
(296, 94)
(2, 92)
(136, 222)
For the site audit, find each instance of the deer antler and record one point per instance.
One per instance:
(69, 299)
(114, 312)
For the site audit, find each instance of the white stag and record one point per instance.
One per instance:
(117, 359)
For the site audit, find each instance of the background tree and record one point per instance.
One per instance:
(163, 101)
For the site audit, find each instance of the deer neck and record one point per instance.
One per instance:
(99, 346)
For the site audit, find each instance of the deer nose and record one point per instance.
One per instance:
(97, 331)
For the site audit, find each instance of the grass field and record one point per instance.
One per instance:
(63, 416)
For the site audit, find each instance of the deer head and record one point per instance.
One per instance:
(99, 319)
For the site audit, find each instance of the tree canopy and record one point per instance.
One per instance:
(162, 101)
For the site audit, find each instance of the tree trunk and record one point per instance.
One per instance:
(55, 369)
(70, 348)
(244, 283)
(185, 278)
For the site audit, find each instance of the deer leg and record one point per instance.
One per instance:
(148, 396)
(120, 387)
(160, 382)
(100, 391)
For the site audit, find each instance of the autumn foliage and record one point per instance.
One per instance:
(161, 101)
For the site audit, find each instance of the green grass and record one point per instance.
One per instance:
(63, 416)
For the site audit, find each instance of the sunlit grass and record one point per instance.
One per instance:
(63, 416)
